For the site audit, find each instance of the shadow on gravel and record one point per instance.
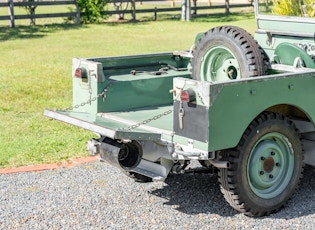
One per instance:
(303, 201)
(200, 194)
(195, 194)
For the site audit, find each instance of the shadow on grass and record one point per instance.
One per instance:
(39, 31)
(232, 17)
(206, 18)
(33, 32)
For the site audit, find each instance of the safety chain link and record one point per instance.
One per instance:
(156, 117)
(102, 94)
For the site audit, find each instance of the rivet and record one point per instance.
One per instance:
(291, 86)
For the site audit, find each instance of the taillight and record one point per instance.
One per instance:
(188, 95)
(81, 73)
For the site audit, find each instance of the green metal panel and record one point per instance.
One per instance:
(293, 25)
(236, 104)
(269, 43)
(126, 91)
(287, 54)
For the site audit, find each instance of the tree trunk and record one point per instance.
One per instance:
(32, 15)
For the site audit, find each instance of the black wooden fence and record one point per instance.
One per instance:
(12, 17)
(133, 11)
(191, 7)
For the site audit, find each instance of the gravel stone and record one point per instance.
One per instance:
(99, 196)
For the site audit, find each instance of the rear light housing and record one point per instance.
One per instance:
(81, 73)
(188, 95)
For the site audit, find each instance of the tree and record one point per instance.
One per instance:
(92, 11)
(120, 6)
(30, 8)
(294, 8)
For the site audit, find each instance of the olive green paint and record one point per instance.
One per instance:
(236, 104)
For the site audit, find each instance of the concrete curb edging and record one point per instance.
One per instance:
(43, 167)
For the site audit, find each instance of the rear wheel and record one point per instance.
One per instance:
(226, 53)
(265, 168)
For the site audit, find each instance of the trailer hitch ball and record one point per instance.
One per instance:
(122, 155)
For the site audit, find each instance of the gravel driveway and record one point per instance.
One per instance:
(98, 196)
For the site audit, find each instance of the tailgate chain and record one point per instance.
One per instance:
(156, 117)
(102, 94)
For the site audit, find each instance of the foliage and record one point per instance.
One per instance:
(31, 10)
(92, 11)
(294, 7)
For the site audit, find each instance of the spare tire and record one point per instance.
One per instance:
(226, 53)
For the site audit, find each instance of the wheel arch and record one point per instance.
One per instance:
(292, 112)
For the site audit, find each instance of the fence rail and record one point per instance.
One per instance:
(133, 11)
(12, 17)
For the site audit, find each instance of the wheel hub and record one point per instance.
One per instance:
(219, 64)
(269, 164)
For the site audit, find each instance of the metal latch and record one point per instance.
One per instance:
(181, 114)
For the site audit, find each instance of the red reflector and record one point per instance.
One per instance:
(184, 96)
(81, 73)
(78, 73)
(188, 95)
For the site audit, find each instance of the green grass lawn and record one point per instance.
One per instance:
(36, 74)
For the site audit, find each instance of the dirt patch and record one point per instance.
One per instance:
(42, 167)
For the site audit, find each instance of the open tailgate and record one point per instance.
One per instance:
(105, 126)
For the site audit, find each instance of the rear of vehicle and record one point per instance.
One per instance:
(242, 106)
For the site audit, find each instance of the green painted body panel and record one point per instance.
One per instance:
(148, 86)
(286, 25)
(238, 103)
(307, 43)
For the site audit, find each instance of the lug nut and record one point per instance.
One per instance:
(261, 172)
(277, 164)
(270, 176)
(273, 153)
(262, 158)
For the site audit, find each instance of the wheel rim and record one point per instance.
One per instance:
(219, 64)
(270, 165)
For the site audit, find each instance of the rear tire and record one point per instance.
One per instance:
(226, 53)
(265, 168)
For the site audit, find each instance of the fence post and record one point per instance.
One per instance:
(133, 8)
(11, 13)
(227, 6)
(188, 10)
(183, 10)
(77, 10)
(155, 14)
